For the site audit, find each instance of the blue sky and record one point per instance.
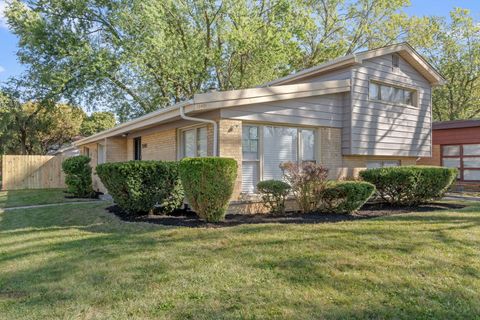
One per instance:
(9, 65)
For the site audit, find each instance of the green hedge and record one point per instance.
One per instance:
(78, 176)
(410, 185)
(345, 196)
(274, 193)
(140, 186)
(208, 183)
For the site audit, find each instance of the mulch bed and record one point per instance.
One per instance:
(183, 218)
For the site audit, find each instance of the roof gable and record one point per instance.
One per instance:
(403, 49)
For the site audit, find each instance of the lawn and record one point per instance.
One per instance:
(17, 198)
(80, 262)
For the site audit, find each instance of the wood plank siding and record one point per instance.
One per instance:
(381, 128)
(324, 111)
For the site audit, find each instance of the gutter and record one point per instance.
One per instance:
(215, 127)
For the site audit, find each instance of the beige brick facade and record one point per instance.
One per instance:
(159, 146)
(435, 160)
(116, 149)
(230, 145)
(352, 165)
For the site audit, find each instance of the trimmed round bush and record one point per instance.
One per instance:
(208, 183)
(78, 176)
(274, 193)
(139, 187)
(411, 185)
(346, 196)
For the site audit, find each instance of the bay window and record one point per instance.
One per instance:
(264, 148)
(194, 142)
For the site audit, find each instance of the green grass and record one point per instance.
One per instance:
(79, 262)
(17, 198)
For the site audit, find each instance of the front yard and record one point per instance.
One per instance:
(79, 261)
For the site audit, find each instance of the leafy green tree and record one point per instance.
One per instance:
(96, 122)
(456, 54)
(33, 128)
(137, 56)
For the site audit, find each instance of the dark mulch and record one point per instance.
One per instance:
(185, 218)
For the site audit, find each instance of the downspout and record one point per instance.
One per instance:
(215, 127)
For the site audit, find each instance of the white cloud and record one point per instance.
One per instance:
(2, 69)
(3, 19)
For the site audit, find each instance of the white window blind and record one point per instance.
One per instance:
(280, 145)
(251, 161)
(195, 142)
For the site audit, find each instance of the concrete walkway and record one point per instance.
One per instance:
(50, 205)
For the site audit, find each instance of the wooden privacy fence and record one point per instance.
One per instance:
(32, 172)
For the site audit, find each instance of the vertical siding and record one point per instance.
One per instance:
(382, 128)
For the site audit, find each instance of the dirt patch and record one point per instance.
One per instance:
(183, 218)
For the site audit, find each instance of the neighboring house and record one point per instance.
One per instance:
(457, 144)
(368, 109)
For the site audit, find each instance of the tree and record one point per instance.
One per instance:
(456, 55)
(137, 56)
(96, 122)
(33, 128)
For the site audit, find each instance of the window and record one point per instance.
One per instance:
(388, 93)
(86, 151)
(382, 163)
(395, 60)
(137, 148)
(466, 158)
(251, 159)
(100, 153)
(266, 147)
(194, 142)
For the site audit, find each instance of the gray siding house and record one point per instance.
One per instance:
(368, 109)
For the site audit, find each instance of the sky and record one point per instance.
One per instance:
(9, 65)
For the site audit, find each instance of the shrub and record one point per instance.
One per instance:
(410, 185)
(346, 196)
(307, 180)
(208, 184)
(138, 187)
(78, 176)
(274, 193)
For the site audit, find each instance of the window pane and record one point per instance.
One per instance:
(100, 154)
(451, 150)
(451, 162)
(398, 95)
(249, 176)
(189, 143)
(373, 94)
(202, 142)
(471, 175)
(391, 163)
(280, 145)
(473, 162)
(308, 145)
(471, 149)
(374, 164)
(253, 133)
(386, 93)
(408, 97)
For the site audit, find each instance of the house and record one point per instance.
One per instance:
(457, 144)
(369, 109)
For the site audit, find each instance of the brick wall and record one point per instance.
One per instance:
(116, 149)
(159, 146)
(230, 145)
(352, 165)
(435, 160)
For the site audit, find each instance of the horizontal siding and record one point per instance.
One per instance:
(324, 110)
(347, 124)
(382, 128)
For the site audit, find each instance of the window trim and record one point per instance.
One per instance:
(261, 161)
(380, 83)
(181, 142)
(137, 153)
(461, 156)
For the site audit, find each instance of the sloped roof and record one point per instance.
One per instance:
(405, 50)
(455, 124)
